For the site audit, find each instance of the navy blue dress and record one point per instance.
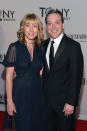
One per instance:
(28, 93)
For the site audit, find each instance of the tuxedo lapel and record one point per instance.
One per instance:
(46, 45)
(60, 49)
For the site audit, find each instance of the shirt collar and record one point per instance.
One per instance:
(58, 39)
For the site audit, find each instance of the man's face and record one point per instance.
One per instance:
(54, 25)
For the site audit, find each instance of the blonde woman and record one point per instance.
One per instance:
(25, 98)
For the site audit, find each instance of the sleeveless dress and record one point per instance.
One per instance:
(27, 91)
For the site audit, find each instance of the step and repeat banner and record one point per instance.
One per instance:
(74, 13)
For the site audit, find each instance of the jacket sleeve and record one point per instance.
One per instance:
(76, 69)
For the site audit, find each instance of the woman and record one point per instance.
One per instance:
(25, 95)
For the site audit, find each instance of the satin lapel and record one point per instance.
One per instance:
(46, 45)
(60, 49)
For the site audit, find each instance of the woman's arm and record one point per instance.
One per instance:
(41, 71)
(9, 84)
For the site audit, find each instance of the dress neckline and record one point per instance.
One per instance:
(31, 58)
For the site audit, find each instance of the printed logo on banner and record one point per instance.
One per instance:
(2, 99)
(1, 57)
(7, 15)
(79, 37)
(84, 81)
(65, 12)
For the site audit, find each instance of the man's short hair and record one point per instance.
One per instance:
(51, 11)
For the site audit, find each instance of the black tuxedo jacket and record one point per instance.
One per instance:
(62, 84)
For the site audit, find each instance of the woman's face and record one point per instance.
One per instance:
(30, 29)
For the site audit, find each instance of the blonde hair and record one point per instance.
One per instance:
(40, 37)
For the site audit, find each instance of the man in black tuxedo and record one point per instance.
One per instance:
(62, 73)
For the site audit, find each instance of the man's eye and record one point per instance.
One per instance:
(57, 22)
(49, 23)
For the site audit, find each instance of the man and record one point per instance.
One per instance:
(62, 73)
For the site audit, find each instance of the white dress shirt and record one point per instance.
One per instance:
(56, 45)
